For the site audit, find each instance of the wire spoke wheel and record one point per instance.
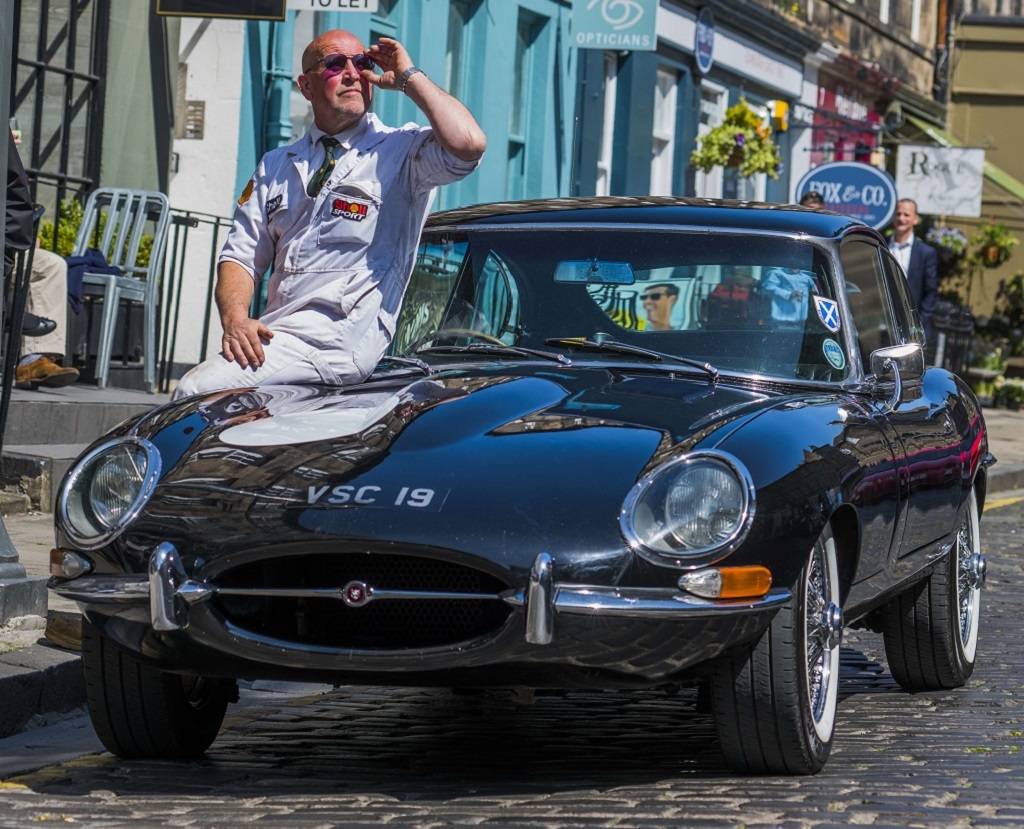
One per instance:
(931, 628)
(774, 703)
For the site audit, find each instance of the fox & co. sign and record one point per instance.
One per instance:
(853, 188)
(614, 24)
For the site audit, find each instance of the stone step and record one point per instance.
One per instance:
(34, 471)
(74, 414)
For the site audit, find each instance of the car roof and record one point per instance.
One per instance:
(655, 210)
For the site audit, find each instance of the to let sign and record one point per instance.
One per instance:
(333, 5)
(943, 181)
(614, 24)
(853, 188)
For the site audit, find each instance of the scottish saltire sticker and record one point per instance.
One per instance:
(828, 313)
(833, 353)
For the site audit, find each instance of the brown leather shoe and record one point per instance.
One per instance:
(44, 372)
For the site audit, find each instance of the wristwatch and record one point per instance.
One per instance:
(403, 79)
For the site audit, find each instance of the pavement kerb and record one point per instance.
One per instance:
(43, 679)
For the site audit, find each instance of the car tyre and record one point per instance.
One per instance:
(774, 704)
(140, 712)
(931, 629)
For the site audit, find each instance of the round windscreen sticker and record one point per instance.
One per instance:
(833, 353)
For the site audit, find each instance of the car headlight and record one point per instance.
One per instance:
(106, 489)
(692, 510)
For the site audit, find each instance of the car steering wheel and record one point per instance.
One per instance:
(446, 333)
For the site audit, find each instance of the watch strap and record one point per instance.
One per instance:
(403, 79)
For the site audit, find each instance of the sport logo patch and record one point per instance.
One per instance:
(272, 205)
(352, 210)
(828, 313)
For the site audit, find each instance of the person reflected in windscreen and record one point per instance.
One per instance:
(658, 302)
(335, 218)
(790, 290)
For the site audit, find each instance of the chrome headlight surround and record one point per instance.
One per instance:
(90, 523)
(664, 479)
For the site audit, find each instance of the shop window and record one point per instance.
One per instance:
(459, 13)
(713, 101)
(604, 158)
(528, 30)
(664, 137)
(59, 61)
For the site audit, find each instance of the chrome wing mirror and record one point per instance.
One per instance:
(901, 364)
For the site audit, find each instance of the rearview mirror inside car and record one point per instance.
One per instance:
(595, 271)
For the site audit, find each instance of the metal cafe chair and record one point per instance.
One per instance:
(115, 222)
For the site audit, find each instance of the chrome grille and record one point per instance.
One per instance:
(388, 624)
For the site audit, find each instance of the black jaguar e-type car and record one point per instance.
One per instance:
(615, 443)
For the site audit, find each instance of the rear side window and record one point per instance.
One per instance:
(868, 298)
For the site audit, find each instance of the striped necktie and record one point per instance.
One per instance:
(320, 176)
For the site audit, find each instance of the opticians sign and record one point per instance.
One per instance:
(858, 190)
(615, 24)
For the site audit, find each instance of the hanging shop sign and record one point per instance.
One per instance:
(944, 181)
(615, 24)
(232, 9)
(704, 40)
(855, 189)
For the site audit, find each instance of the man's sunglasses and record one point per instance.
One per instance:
(335, 64)
(653, 297)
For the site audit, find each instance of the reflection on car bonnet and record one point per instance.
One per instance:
(346, 416)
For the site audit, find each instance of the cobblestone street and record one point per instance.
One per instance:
(364, 757)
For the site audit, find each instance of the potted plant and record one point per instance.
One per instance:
(995, 243)
(742, 140)
(1009, 392)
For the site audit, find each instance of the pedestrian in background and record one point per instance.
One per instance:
(812, 198)
(919, 260)
(338, 231)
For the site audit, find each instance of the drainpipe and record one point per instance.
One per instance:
(277, 124)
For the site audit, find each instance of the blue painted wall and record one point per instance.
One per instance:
(542, 165)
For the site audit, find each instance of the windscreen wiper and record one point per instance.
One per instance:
(415, 362)
(616, 347)
(492, 349)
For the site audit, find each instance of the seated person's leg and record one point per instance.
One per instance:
(47, 298)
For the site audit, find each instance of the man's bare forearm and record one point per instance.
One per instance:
(234, 292)
(243, 337)
(454, 126)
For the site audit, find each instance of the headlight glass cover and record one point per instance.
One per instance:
(106, 490)
(692, 510)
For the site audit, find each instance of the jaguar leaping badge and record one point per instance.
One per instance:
(356, 594)
(828, 313)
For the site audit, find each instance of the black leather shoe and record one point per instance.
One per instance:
(37, 326)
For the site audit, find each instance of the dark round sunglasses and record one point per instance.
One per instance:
(335, 64)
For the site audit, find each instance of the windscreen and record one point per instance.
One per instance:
(745, 302)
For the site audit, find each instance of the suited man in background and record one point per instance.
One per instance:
(919, 260)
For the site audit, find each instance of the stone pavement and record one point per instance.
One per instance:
(38, 678)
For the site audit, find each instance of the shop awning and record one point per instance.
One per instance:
(994, 174)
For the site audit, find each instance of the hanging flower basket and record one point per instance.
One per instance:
(741, 141)
(995, 243)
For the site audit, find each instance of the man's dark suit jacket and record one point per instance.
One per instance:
(923, 278)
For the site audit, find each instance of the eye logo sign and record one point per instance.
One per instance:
(352, 210)
(614, 24)
(828, 313)
(620, 14)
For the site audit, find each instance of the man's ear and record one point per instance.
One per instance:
(303, 83)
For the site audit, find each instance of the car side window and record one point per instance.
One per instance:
(908, 322)
(869, 301)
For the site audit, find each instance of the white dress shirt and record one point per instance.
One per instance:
(901, 250)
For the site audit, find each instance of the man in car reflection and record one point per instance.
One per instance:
(659, 300)
(790, 290)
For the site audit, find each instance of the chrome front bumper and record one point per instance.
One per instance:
(170, 592)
